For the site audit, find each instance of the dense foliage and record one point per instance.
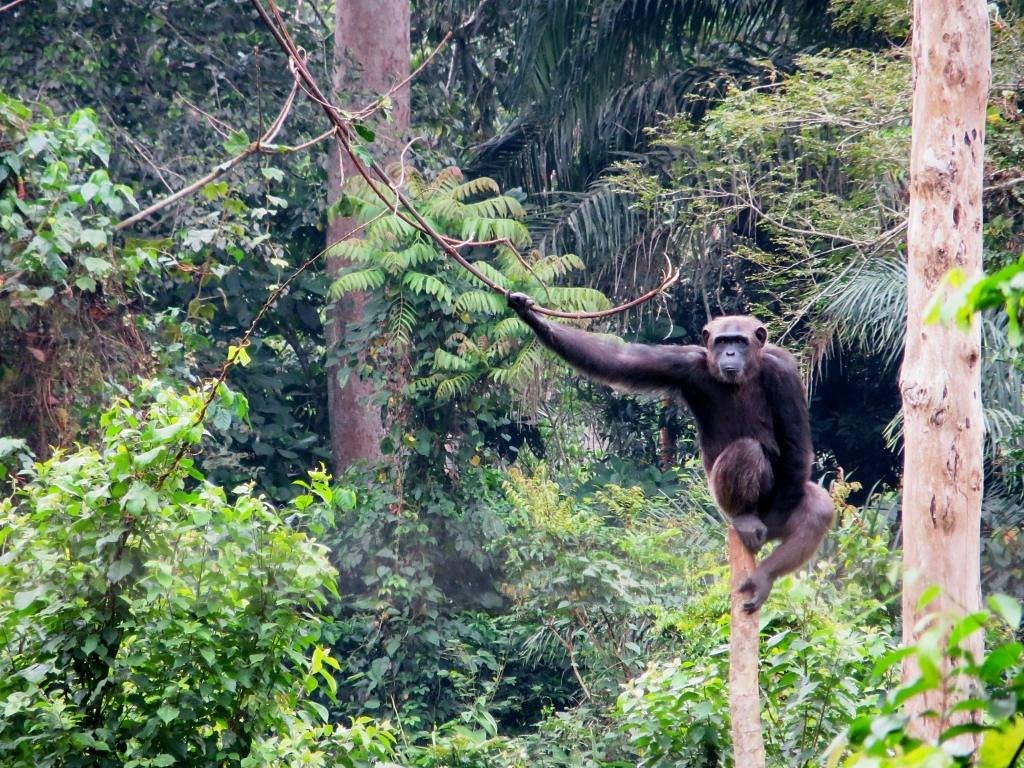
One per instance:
(533, 575)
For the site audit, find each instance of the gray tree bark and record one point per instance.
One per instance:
(371, 56)
(940, 381)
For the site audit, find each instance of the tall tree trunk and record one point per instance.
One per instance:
(942, 476)
(371, 56)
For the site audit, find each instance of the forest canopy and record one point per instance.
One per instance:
(283, 482)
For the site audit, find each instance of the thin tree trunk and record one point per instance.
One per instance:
(940, 381)
(744, 652)
(666, 438)
(371, 55)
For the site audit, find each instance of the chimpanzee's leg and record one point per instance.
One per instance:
(741, 475)
(800, 536)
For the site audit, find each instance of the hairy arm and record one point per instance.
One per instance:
(636, 367)
(792, 426)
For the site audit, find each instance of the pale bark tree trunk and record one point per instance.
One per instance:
(371, 56)
(940, 381)
(744, 657)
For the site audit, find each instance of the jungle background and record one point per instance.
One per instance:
(527, 569)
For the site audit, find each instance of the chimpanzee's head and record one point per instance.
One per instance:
(734, 345)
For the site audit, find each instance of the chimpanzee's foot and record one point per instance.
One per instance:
(753, 533)
(758, 585)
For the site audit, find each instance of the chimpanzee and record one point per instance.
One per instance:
(751, 412)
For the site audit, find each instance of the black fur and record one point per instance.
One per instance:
(752, 420)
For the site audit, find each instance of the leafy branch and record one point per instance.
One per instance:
(401, 207)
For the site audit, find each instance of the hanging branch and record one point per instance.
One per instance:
(401, 206)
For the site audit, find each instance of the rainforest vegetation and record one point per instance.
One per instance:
(282, 483)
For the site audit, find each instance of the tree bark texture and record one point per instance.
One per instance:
(744, 653)
(371, 56)
(940, 380)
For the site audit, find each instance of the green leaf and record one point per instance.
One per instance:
(966, 627)
(167, 713)
(118, 570)
(1000, 746)
(1008, 609)
(365, 132)
(236, 143)
(999, 660)
(928, 595)
(97, 238)
(238, 355)
(23, 600)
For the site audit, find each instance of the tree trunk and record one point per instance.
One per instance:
(940, 381)
(371, 56)
(744, 653)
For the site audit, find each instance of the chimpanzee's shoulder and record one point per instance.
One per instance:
(779, 363)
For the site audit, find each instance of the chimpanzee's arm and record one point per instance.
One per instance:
(791, 422)
(636, 367)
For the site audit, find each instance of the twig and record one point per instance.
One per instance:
(219, 127)
(572, 658)
(247, 336)
(261, 145)
(366, 112)
(1004, 184)
(368, 171)
(10, 5)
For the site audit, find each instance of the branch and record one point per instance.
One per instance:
(262, 145)
(371, 170)
(11, 5)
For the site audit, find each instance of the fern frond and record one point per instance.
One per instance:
(455, 386)
(443, 207)
(481, 302)
(446, 361)
(483, 228)
(495, 208)
(421, 283)
(478, 186)
(577, 299)
(357, 282)
(447, 180)
(396, 226)
(529, 360)
(390, 261)
(416, 254)
(509, 328)
(401, 322)
(492, 274)
(425, 383)
(551, 267)
(354, 249)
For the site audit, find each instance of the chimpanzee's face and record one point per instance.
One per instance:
(734, 348)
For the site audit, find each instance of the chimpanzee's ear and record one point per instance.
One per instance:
(762, 334)
(705, 334)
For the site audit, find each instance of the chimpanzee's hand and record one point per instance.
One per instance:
(521, 303)
(758, 585)
(753, 533)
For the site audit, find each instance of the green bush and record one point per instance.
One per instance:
(150, 618)
(993, 711)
